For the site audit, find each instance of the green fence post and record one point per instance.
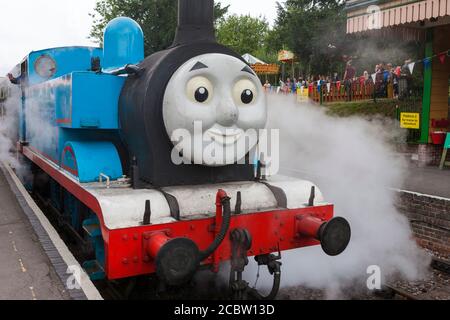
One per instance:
(427, 81)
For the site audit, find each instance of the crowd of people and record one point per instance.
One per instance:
(386, 76)
(387, 80)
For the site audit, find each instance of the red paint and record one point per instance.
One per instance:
(68, 169)
(127, 251)
(64, 121)
(269, 231)
(42, 154)
(154, 242)
(309, 226)
(221, 195)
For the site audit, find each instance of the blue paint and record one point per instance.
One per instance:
(67, 60)
(94, 158)
(123, 42)
(95, 268)
(65, 103)
(93, 101)
(71, 212)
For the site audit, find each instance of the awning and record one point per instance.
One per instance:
(397, 15)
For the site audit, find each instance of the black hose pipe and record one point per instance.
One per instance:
(223, 230)
(276, 269)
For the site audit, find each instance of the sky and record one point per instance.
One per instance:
(27, 25)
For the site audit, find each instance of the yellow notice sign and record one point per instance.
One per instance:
(410, 120)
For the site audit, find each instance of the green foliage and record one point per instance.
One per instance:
(158, 19)
(368, 108)
(244, 34)
(315, 31)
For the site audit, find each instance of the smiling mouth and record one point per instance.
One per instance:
(225, 136)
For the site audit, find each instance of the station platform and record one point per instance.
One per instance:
(429, 181)
(25, 270)
(34, 262)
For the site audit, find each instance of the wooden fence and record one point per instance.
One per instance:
(335, 92)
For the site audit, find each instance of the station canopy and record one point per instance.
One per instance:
(406, 17)
(260, 67)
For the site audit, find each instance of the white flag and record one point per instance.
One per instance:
(329, 87)
(374, 77)
(411, 67)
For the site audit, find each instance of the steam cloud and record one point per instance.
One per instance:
(9, 126)
(354, 165)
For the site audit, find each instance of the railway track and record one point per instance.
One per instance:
(439, 267)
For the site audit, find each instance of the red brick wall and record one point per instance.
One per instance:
(429, 155)
(430, 220)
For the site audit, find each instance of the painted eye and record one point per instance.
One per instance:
(201, 94)
(245, 92)
(199, 90)
(247, 96)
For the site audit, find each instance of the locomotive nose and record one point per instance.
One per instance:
(334, 235)
(227, 113)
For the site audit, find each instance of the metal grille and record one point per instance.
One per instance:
(412, 103)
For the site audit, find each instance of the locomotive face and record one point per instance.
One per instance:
(219, 101)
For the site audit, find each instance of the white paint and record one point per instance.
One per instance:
(297, 191)
(87, 286)
(201, 200)
(123, 207)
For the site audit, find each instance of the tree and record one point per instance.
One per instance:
(158, 19)
(314, 30)
(244, 34)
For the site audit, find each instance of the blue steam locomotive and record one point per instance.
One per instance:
(98, 125)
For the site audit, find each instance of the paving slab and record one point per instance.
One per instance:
(26, 272)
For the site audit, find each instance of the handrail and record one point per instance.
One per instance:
(108, 180)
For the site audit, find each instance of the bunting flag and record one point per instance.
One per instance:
(442, 57)
(411, 67)
(426, 62)
(374, 78)
(338, 85)
(329, 87)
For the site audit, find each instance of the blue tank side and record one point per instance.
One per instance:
(66, 60)
(79, 107)
(40, 119)
(95, 101)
